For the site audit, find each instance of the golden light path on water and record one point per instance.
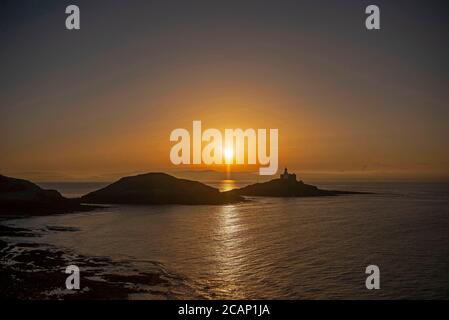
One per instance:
(230, 253)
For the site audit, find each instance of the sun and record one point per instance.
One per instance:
(228, 155)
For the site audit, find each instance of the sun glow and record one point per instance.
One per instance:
(238, 147)
(228, 155)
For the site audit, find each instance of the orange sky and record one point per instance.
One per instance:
(135, 139)
(101, 103)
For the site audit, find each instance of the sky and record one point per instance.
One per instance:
(100, 103)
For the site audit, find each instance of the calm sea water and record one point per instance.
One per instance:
(289, 248)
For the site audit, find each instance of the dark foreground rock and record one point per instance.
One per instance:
(286, 188)
(30, 270)
(22, 197)
(159, 188)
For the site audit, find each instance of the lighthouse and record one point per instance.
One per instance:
(288, 176)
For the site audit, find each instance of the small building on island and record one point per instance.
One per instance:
(288, 176)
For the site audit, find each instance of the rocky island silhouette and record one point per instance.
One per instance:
(19, 196)
(286, 186)
(159, 188)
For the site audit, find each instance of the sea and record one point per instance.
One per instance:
(272, 248)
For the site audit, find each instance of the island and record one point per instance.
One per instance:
(19, 196)
(286, 186)
(22, 197)
(159, 188)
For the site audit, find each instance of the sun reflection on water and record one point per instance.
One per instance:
(230, 250)
(227, 184)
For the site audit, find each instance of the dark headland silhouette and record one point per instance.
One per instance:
(286, 186)
(159, 188)
(19, 196)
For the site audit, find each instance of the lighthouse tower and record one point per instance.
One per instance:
(288, 176)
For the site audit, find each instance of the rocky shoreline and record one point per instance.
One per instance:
(33, 271)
